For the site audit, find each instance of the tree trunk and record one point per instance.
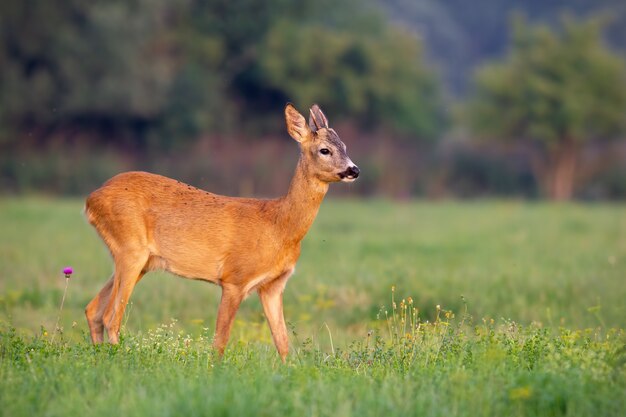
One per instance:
(561, 170)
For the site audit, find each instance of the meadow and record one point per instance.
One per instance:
(396, 308)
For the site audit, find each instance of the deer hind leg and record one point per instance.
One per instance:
(129, 269)
(229, 304)
(271, 296)
(95, 311)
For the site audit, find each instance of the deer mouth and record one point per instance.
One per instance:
(350, 174)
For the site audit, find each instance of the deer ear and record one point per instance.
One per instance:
(317, 119)
(296, 124)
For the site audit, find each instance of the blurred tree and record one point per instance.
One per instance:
(217, 43)
(557, 90)
(81, 66)
(377, 76)
(461, 34)
(151, 72)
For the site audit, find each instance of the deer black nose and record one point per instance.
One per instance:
(353, 171)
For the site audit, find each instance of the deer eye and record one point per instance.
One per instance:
(325, 151)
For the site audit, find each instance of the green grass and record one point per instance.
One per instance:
(531, 318)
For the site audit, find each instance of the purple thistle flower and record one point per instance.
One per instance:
(68, 271)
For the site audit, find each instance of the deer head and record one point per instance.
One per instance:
(323, 153)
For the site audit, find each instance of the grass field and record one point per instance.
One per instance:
(530, 318)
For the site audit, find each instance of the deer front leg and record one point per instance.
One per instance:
(271, 296)
(229, 304)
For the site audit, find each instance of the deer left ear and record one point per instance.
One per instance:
(296, 124)
(317, 119)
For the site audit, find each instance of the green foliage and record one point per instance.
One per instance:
(538, 333)
(552, 87)
(531, 263)
(443, 368)
(80, 64)
(377, 76)
(461, 35)
(351, 61)
(150, 73)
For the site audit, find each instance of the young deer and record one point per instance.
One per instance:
(241, 244)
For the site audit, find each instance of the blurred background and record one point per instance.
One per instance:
(434, 98)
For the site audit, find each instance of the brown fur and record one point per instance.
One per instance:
(152, 222)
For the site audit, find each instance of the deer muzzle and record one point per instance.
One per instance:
(350, 174)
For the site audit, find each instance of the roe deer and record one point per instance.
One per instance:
(241, 244)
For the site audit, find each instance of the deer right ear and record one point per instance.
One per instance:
(317, 119)
(296, 124)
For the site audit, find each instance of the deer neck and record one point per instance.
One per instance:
(299, 207)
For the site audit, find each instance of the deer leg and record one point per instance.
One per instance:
(95, 312)
(127, 273)
(271, 296)
(229, 304)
